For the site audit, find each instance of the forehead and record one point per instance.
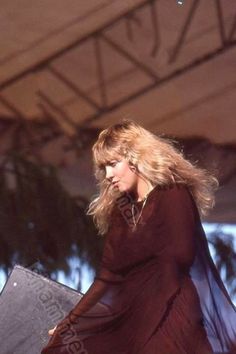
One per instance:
(106, 156)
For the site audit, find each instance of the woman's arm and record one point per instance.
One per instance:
(178, 223)
(100, 284)
(88, 300)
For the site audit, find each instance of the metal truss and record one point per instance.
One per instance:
(142, 62)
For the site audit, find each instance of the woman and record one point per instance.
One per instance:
(158, 289)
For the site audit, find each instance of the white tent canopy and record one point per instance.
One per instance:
(76, 66)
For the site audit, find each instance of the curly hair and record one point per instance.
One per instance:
(165, 165)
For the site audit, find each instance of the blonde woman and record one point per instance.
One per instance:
(157, 282)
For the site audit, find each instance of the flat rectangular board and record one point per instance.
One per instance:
(30, 305)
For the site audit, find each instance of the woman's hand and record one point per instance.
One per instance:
(65, 324)
(51, 331)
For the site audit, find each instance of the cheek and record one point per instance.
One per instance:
(131, 177)
(125, 174)
(122, 171)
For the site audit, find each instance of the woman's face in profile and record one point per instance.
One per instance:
(118, 172)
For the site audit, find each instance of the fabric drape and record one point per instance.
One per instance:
(160, 290)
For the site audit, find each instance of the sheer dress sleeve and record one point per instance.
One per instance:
(180, 223)
(104, 277)
(191, 253)
(163, 273)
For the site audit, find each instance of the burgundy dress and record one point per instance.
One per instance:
(160, 290)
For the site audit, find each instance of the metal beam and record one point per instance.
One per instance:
(146, 63)
(184, 31)
(59, 53)
(162, 81)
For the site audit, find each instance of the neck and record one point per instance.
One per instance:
(142, 189)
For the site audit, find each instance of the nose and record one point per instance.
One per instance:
(109, 173)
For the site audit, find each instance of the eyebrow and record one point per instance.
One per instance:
(107, 162)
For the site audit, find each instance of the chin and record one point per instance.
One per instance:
(121, 188)
(125, 189)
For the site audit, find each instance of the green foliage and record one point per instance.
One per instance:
(225, 257)
(40, 221)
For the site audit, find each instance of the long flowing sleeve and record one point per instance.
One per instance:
(101, 281)
(177, 219)
(190, 250)
(157, 290)
(180, 227)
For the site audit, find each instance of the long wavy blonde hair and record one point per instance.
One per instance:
(155, 158)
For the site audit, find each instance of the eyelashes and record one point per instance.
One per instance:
(112, 164)
(108, 163)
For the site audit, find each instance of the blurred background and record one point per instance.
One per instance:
(69, 69)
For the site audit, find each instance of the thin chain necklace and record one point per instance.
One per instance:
(135, 222)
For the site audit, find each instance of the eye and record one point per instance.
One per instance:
(112, 163)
